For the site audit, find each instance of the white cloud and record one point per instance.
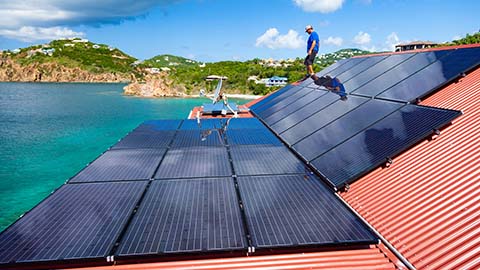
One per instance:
(362, 38)
(274, 40)
(322, 6)
(45, 16)
(391, 41)
(29, 33)
(336, 41)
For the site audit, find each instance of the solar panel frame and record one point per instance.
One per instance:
(194, 162)
(50, 231)
(360, 154)
(265, 160)
(298, 211)
(203, 216)
(121, 165)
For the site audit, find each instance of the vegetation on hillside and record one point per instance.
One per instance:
(468, 39)
(168, 60)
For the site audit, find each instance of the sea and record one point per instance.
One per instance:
(50, 131)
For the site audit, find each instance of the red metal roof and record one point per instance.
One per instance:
(427, 204)
(370, 258)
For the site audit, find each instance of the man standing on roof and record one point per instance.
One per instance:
(312, 50)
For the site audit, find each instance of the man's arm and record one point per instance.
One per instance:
(313, 46)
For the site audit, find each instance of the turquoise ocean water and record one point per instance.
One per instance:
(48, 132)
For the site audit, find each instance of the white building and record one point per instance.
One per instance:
(68, 45)
(166, 69)
(276, 81)
(95, 46)
(153, 70)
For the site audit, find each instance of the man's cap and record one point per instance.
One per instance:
(308, 27)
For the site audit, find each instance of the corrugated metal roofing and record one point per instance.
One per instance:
(427, 204)
(370, 258)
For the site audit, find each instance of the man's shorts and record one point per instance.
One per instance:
(310, 59)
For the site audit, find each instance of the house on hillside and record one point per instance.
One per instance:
(152, 70)
(276, 81)
(415, 45)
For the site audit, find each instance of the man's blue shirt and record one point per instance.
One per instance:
(313, 36)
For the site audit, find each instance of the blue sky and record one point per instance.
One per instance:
(213, 30)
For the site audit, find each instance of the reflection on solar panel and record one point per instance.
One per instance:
(202, 124)
(77, 221)
(325, 71)
(194, 162)
(374, 145)
(186, 215)
(122, 164)
(146, 139)
(297, 210)
(259, 160)
(188, 138)
(156, 125)
(251, 137)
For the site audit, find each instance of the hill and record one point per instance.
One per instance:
(168, 60)
(468, 39)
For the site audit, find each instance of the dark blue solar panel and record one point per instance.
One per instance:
(187, 215)
(400, 72)
(146, 139)
(435, 75)
(344, 127)
(271, 96)
(202, 124)
(383, 140)
(355, 70)
(241, 123)
(280, 98)
(156, 125)
(304, 112)
(347, 66)
(77, 221)
(251, 137)
(263, 159)
(297, 210)
(375, 71)
(122, 164)
(320, 118)
(194, 162)
(189, 138)
(294, 106)
(284, 102)
(324, 71)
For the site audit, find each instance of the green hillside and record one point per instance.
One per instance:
(468, 39)
(96, 58)
(167, 60)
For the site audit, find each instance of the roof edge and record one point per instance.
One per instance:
(442, 48)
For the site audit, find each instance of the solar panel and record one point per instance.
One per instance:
(385, 139)
(77, 221)
(284, 102)
(194, 162)
(355, 70)
(122, 164)
(435, 75)
(156, 125)
(146, 139)
(324, 71)
(186, 216)
(251, 137)
(304, 112)
(241, 123)
(321, 117)
(202, 124)
(289, 93)
(264, 159)
(271, 96)
(347, 66)
(375, 71)
(343, 128)
(294, 106)
(297, 210)
(400, 72)
(188, 138)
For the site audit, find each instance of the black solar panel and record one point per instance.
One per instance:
(385, 139)
(122, 164)
(266, 105)
(343, 127)
(251, 137)
(375, 71)
(355, 70)
(304, 112)
(430, 78)
(186, 216)
(263, 159)
(320, 117)
(194, 162)
(325, 71)
(156, 125)
(353, 62)
(241, 123)
(146, 139)
(202, 124)
(77, 221)
(294, 106)
(271, 96)
(297, 210)
(188, 138)
(400, 72)
(294, 95)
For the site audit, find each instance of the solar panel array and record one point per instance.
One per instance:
(344, 139)
(188, 187)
